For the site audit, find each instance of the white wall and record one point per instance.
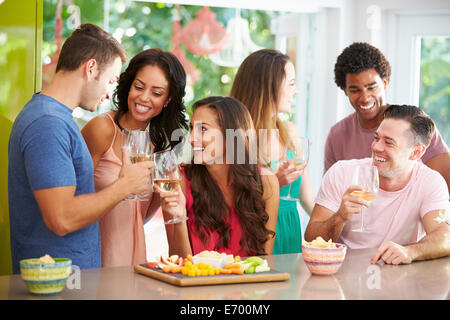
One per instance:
(388, 37)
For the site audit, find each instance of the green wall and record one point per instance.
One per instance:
(20, 77)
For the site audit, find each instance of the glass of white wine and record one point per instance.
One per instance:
(166, 175)
(302, 155)
(365, 176)
(139, 150)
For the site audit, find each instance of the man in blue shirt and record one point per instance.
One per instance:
(52, 200)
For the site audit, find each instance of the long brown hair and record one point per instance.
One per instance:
(257, 85)
(210, 207)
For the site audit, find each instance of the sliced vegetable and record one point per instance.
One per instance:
(233, 266)
(257, 260)
(262, 269)
(255, 264)
(226, 271)
(152, 264)
(237, 271)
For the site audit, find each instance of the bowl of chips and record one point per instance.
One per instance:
(45, 275)
(323, 257)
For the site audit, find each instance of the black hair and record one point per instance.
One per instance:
(173, 116)
(358, 57)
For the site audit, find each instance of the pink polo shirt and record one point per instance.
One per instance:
(392, 216)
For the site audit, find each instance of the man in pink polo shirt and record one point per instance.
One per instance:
(363, 73)
(402, 220)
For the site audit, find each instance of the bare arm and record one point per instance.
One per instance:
(329, 224)
(306, 194)
(324, 223)
(435, 244)
(174, 204)
(153, 207)
(441, 163)
(179, 243)
(271, 197)
(287, 171)
(98, 135)
(64, 212)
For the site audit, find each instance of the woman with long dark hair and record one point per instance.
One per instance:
(149, 95)
(231, 203)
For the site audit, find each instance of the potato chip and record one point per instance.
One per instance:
(319, 242)
(44, 259)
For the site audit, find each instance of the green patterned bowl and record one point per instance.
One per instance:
(45, 278)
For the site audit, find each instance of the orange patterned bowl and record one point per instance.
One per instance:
(324, 261)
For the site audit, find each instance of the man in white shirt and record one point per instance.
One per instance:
(402, 220)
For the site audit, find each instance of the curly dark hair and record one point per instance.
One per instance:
(209, 205)
(358, 57)
(171, 117)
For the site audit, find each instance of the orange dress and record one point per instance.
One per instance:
(122, 228)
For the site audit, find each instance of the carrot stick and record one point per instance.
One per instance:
(233, 266)
(237, 271)
(226, 271)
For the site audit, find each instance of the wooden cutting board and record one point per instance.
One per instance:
(184, 281)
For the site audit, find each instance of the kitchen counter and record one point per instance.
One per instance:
(356, 279)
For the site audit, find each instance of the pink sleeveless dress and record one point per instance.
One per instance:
(122, 228)
(234, 246)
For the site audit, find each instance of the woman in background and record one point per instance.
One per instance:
(149, 96)
(265, 84)
(231, 204)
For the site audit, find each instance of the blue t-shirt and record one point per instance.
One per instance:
(47, 150)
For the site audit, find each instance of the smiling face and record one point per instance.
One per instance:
(393, 150)
(288, 89)
(366, 93)
(148, 94)
(206, 137)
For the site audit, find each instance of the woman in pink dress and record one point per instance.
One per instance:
(230, 202)
(149, 95)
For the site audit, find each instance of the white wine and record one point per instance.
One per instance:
(139, 158)
(369, 196)
(299, 162)
(167, 184)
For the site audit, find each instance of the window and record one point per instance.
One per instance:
(434, 94)
(142, 25)
(421, 64)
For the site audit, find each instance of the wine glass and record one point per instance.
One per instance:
(365, 176)
(166, 175)
(139, 149)
(302, 155)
